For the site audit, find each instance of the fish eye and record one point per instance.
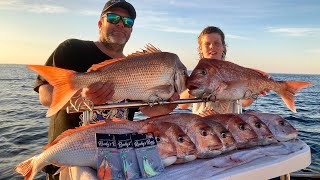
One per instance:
(158, 139)
(281, 123)
(203, 72)
(203, 133)
(258, 125)
(180, 139)
(241, 127)
(223, 134)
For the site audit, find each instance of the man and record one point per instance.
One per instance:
(115, 27)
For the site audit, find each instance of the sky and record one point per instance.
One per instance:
(275, 36)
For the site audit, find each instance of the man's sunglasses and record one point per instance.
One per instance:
(115, 18)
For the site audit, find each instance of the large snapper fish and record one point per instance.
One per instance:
(265, 136)
(240, 130)
(228, 142)
(280, 128)
(150, 76)
(77, 147)
(202, 135)
(186, 150)
(224, 80)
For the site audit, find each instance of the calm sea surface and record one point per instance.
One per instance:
(23, 126)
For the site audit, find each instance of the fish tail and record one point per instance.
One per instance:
(61, 80)
(26, 169)
(288, 91)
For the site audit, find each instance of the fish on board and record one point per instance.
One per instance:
(207, 142)
(186, 149)
(149, 76)
(280, 128)
(240, 130)
(166, 146)
(77, 147)
(265, 136)
(224, 80)
(228, 142)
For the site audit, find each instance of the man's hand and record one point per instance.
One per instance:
(99, 93)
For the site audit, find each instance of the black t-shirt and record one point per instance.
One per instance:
(77, 55)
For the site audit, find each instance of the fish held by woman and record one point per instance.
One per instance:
(224, 80)
(149, 76)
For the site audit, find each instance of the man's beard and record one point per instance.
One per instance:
(114, 43)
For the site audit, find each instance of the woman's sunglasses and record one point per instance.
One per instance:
(115, 18)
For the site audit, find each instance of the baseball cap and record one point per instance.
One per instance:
(121, 4)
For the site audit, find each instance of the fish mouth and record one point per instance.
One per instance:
(192, 86)
(195, 89)
(169, 160)
(288, 137)
(208, 154)
(230, 148)
(215, 147)
(185, 159)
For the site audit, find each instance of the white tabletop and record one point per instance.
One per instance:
(256, 163)
(269, 166)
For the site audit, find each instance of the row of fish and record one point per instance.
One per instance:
(153, 75)
(180, 138)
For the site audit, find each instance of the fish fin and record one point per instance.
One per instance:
(25, 168)
(119, 120)
(61, 80)
(224, 106)
(60, 169)
(149, 50)
(165, 90)
(71, 131)
(97, 67)
(208, 112)
(157, 110)
(224, 85)
(261, 72)
(247, 102)
(287, 93)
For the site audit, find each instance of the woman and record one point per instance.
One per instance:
(211, 45)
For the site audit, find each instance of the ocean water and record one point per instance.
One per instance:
(23, 126)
